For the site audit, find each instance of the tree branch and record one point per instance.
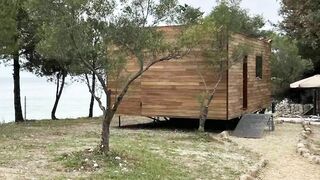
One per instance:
(100, 78)
(95, 97)
(201, 75)
(175, 55)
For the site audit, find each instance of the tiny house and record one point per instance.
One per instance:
(172, 88)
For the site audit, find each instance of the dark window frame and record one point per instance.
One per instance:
(259, 66)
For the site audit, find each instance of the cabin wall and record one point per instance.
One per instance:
(173, 89)
(131, 104)
(259, 90)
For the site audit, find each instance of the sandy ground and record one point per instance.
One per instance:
(279, 148)
(29, 151)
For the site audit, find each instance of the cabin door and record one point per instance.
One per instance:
(245, 83)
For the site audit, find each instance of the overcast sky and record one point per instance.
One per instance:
(269, 9)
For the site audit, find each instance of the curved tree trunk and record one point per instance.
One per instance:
(16, 89)
(204, 109)
(93, 87)
(58, 93)
(107, 118)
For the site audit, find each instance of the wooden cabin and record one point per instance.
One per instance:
(172, 88)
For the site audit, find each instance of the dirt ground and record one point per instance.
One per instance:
(279, 148)
(315, 141)
(54, 150)
(34, 151)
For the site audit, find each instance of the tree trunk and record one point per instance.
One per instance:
(203, 118)
(93, 87)
(16, 89)
(58, 94)
(204, 109)
(108, 115)
(105, 135)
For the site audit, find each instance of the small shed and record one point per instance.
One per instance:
(172, 88)
(312, 83)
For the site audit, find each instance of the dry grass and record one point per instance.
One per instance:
(64, 150)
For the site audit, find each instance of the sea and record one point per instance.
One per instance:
(40, 95)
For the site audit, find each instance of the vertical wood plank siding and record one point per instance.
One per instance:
(172, 88)
(259, 90)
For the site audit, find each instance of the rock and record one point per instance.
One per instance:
(303, 141)
(312, 158)
(95, 165)
(317, 160)
(280, 121)
(308, 129)
(224, 135)
(307, 132)
(306, 123)
(304, 136)
(253, 171)
(302, 151)
(246, 177)
(263, 163)
(300, 145)
(306, 155)
(125, 169)
(117, 158)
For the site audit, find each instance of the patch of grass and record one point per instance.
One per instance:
(144, 165)
(136, 153)
(62, 122)
(90, 134)
(84, 160)
(120, 165)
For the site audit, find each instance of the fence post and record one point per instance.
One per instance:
(25, 108)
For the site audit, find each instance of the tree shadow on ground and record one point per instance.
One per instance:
(215, 126)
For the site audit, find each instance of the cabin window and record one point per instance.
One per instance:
(259, 67)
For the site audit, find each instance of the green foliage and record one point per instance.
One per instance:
(77, 30)
(188, 15)
(17, 30)
(302, 22)
(229, 14)
(134, 31)
(212, 33)
(71, 30)
(199, 35)
(211, 36)
(8, 27)
(287, 66)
